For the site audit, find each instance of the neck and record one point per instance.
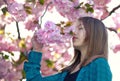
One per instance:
(83, 50)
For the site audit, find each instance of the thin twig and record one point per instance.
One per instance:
(111, 29)
(18, 30)
(112, 11)
(44, 13)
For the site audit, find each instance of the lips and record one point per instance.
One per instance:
(74, 38)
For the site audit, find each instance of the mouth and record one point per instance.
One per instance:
(74, 38)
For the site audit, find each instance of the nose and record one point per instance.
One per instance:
(76, 32)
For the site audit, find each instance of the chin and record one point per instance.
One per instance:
(76, 46)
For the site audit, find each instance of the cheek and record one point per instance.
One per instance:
(78, 42)
(82, 37)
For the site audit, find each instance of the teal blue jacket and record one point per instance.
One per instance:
(97, 70)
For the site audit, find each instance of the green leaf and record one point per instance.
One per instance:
(90, 10)
(28, 9)
(87, 5)
(50, 63)
(2, 31)
(68, 24)
(81, 4)
(6, 57)
(62, 22)
(1, 54)
(62, 31)
(41, 2)
(58, 24)
(4, 10)
(23, 74)
(21, 59)
(71, 33)
(30, 1)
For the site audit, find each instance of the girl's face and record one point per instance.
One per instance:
(80, 34)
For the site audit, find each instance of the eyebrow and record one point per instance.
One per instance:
(80, 25)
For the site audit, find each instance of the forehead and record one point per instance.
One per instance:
(78, 23)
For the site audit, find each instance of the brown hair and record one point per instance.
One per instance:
(97, 38)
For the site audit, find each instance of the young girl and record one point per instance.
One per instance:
(90, 63)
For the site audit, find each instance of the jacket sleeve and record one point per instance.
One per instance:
(32, 69)
(98, 70)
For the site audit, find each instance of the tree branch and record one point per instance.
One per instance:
(111, 29)
(44, 13)
(112, 11)
(18, 30)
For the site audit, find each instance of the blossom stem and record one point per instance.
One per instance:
(44, 13)
(18, 30)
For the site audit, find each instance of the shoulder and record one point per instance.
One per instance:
(99, 62)
(100, 65)
(100, 68)
(97, 70)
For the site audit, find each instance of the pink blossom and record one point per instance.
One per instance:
(116, 19)
(105, 14)
(10, 1)
(5, 19)
(101, 2)
(1, 37)
(46, 71)
(60, 48)
(4, 67)
(2, 3)
(47, 53)
(50, 34)
(17, 11)
(8, 72)
(7, 45)
(13, 76)
(31, 23)
(100, 12)
(117, 48)
(37, 8)
(50, 25)
(54, 46)
(4, 46)
(58, 53)
(66, 56)
(67, 9)
(63, 7)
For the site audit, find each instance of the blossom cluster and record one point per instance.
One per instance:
(56, 46)
(8, 72)
(6, 45)
(51, 33)
(67, 8)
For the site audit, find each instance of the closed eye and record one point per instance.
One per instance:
(80, 28)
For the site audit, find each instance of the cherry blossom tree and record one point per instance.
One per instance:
(56, 37)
